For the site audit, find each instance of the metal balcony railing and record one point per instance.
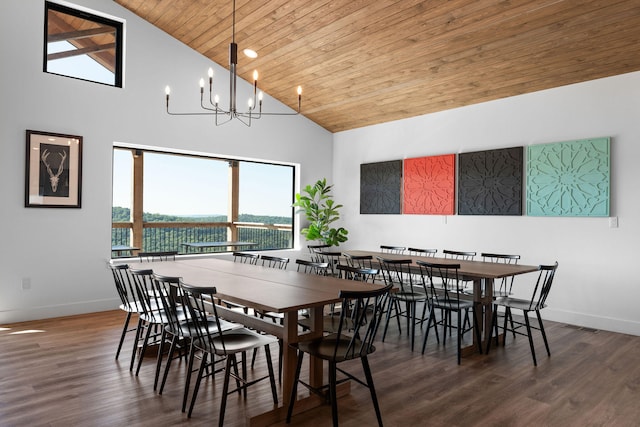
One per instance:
(170, 236)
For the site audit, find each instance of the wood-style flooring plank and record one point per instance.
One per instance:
(62, 372)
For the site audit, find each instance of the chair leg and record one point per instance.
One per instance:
(144, 348)
(460, 328)
(294, 389)
(411, 321)
(332, 392)
(374, 398)
(513, 326)
(494, 325)
(187, 380)
(533, 350)
(124, 332)
(203, 363)
(139, 329)
(225, 388)
(426, 334)
(272, 379)
(476, 329)
(159, 358)
(253, 358)
(172, 349)
(544, 335)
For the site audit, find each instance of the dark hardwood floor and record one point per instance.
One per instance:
(62, 372)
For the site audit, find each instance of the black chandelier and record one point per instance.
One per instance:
(213, 108)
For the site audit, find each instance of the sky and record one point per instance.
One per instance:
(182, 185)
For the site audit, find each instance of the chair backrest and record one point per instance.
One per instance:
(201, 307)
(361, 261)
(367, 275)
(313, 248)
(422, 252)
(330, 257)
(460, 255)
(357, 327)
(504, 286)
(147, 297)
(398, 250)
(246, 257)
(311, 267)
(125, 289)
(442, 282)
(274, 261)
(169, 295)
(157, 256)
(397, 272)
(543, 286)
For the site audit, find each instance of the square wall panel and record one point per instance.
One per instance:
(429, 185)
(381, 187)
(569, 178)
(490, 182)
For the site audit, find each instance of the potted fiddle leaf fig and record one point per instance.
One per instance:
(317, 203)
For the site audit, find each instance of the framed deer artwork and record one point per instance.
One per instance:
(53, 170)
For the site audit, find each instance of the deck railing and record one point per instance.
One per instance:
(169, 236)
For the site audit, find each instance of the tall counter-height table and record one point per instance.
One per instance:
(483, 274)
(267, 289)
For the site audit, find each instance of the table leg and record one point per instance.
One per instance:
(289, 356)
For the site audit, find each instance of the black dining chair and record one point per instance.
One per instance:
(312, 267)
(389, 249)
(360, 261)
(353, 339)
(153, 317)
(408, 294)
(179, 329)
(422, 252)
(332, 258)
(128, 301)
(215, 342)
(504, 286)
(534, 304)
(246, 257)
(274, 261)
(446, 297)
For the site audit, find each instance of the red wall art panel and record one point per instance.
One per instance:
(429, 185)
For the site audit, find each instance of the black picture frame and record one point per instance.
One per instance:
(53, 176)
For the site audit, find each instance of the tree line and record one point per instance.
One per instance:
(120, 214)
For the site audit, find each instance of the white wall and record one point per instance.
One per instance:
(595, 285)
(63, 251)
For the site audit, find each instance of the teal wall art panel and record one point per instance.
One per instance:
(569, 178)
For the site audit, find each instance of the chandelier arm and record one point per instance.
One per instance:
(224, 122)
(242, 119)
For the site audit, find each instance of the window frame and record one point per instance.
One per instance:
(93, 16)
(137, 225)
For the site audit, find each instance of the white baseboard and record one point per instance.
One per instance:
(49, 311)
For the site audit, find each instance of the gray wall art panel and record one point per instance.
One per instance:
(381, 187)
(490, 182)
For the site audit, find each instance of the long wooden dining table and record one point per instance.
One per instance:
(270, 290)
(483, 274)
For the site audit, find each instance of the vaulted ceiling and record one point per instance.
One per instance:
(363, 62)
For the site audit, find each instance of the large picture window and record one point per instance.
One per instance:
(83, 45)
(166, 202)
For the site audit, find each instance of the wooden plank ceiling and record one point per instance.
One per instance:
(363, 62)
